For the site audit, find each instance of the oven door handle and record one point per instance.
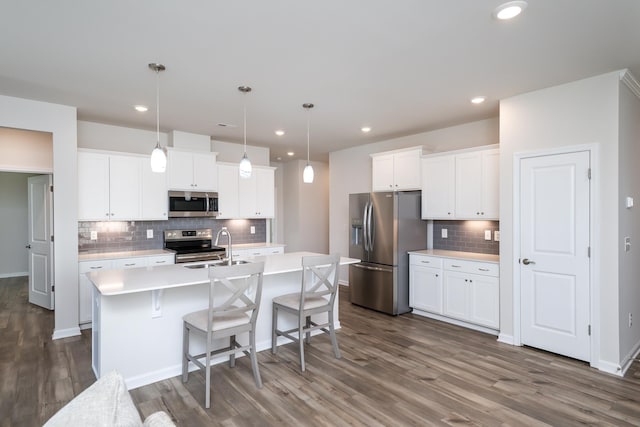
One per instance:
(187, 257)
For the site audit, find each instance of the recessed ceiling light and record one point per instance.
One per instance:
(279, 132)
(141, 108)
(510, 9)
(365, 129)
(290, 153)
(478, 99)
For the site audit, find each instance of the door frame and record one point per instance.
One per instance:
(594, 261)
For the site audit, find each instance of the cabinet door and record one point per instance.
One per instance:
(124, 187)
(85, 287)
(425, 289)
(382, 173)
(205, 172)
(484, 297)
(456, 295)
(247, 195)
(438, 187)
(93, 187)
(228, 202)
(153, 193)
(265, 193)
(406, 171)
(490, 184)
(468, 186)
(180, 170)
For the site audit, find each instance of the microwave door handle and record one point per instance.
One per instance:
(207, 198)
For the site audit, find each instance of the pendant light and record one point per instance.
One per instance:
(245, 164)
(307, 174)
(158, 156)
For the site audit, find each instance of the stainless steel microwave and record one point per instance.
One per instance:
(192, 204)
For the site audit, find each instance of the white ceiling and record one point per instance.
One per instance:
(401, 67)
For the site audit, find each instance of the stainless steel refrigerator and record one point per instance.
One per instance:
(384, 226)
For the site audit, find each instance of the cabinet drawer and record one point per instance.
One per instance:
(129, 263)
(474, 267)
(160, 260)
(425, 261)
(88, 266)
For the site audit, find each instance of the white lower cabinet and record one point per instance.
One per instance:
(245, 253)
(85, 287)
(463, 290)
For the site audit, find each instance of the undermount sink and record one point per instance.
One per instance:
(221, 263)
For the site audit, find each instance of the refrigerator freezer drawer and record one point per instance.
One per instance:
(371, 286)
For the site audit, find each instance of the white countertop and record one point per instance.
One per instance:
(471, 256)
(94, 256)
(118, 282)
(255, 245)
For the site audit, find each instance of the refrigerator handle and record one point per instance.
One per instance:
(364, 227)
(369, 225)
(372, 268)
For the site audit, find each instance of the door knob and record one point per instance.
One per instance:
(28, 246)
(527, 261)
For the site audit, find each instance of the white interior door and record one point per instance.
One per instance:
(40, 245)
(554, 259)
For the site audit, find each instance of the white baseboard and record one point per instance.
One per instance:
(609, 368)
(506, 339)
(629, 358)
(65, 333)
(455, 322)
(17, 274)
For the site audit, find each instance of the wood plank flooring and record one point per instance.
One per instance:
(394, 371)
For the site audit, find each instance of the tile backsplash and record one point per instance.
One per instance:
(466, 236)
(132, 235)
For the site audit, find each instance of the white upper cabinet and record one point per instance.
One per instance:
(438, 187)
(228, 193)
(257, 194)
(191, 170)
(463, 185)
(396, 170)
(477, 185)
(154, 194)
(119, 187)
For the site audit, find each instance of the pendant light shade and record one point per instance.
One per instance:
(245, 163)
(307, 174)
(158, 156)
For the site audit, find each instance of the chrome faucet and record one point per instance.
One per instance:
(228, 251)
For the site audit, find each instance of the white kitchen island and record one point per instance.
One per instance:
(137, 314)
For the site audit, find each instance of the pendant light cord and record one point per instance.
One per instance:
(244, 112)
(157, 108)
(308, 121)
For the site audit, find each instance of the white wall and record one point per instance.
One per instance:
(350, 169)
(232, 153)
(99, 136)
(577, 113)
(60, 120)
(26, 151)
(306, 208)
(14, 256)
(629, 220)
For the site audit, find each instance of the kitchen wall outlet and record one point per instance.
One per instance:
(444, 233)
(496, 235)
(630, 320)
(252, 229)
(629, 202)
(94, 235)
(487, 234)
(150, 234)
(627, 244)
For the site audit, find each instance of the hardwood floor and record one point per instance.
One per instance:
(403, 370)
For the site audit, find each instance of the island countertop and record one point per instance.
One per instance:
(127, 281)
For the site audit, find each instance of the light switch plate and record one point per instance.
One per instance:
(487, 234)
(94, 235)
(496, 235)
(627, 244)
(629, 202)
(150, 234)
(444, 233)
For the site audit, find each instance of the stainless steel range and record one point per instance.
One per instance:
(192, 245)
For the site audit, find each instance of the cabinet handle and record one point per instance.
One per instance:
(448, 213)
(437, 275)
(160, 262)
(426, 262)
(477, 213)
(455, 266)
(95, 268)
(483, 269)
(481, 213)
(129, 265)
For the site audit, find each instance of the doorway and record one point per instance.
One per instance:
(552, 237)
